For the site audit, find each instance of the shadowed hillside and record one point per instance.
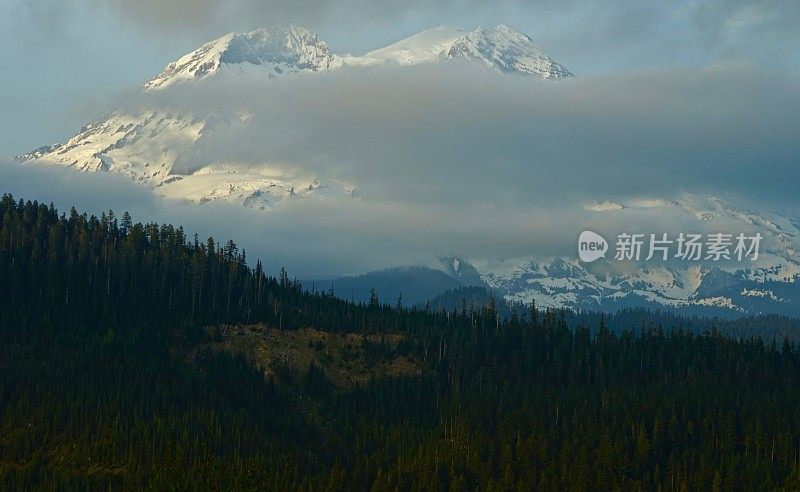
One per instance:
(134, 357)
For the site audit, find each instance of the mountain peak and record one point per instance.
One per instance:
(288, 48)
(278, 49)
(508, 51)
(501, 48)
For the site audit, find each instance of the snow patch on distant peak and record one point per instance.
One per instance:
(719, 301)
(605, 206)
(762, 293)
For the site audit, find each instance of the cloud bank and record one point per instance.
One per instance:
(463, 135)
(460, 161)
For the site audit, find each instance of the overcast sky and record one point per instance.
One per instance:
(670, 97)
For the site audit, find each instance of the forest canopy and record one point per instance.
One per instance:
(113, 373)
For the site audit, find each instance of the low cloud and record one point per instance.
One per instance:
(462, 161)
(463, 135)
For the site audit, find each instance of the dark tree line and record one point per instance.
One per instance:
(766, 326)
(97, 316)
(106, 272)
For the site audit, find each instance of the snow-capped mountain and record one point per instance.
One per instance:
(771, 284)
(277, 50)
(166, 149)
(501, 48)
(290, 49)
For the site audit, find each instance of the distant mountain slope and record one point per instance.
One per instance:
(770, 284)
(416, 284)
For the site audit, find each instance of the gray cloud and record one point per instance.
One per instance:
(469, 136)
(743, 26)
(311, 238)
(317, 240)
(462, 161)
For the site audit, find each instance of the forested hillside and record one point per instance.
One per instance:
(123, 365)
